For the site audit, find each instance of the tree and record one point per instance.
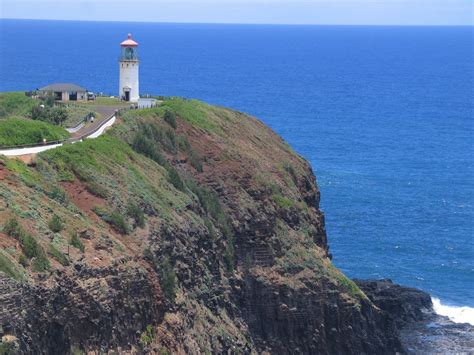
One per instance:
(54, 115)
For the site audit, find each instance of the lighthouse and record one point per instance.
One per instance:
(128, 62)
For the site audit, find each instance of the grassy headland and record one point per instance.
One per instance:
(18, 131)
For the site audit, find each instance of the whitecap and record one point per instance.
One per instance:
(457, 314)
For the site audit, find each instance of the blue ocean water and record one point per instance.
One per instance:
(384, 114)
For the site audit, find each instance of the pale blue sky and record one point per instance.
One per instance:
(372, 12)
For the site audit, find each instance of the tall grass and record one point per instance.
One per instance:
(15, 104)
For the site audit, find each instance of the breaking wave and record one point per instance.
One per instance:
(456, 314)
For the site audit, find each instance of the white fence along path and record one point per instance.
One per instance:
(18, 151)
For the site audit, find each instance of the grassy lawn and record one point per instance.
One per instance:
(15, 104)
(15, 131)
(105, 101)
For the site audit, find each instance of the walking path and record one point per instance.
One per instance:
(92, 130)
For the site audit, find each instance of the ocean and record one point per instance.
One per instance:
(384, 115)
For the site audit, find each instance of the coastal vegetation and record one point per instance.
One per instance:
(52, 114)
(180, 209)
(17, 131)
(15, 104)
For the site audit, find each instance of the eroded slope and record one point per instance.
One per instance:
(187, 228)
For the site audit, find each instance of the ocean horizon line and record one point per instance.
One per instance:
(244, 23)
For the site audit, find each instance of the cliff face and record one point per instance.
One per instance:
(186, 228)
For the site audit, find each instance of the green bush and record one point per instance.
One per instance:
(23, 260)
(76, 242)
(54, 115)
(210, 228)
(31, 248)
(146, 338)
(175, 179)
(8, 348)
(76, 350)
(170, 118)
(41, 263)
(148, 255)
(55, 224)
(195, 161)
(58, 255)
(143, 145)
(115, 219)
(97, 189)
(283, 202)
(118, 222)
(13, 228)
(8, 267)
(229, 255)
(58, 194)
(168, 140)
(135, 212)
(168, 279)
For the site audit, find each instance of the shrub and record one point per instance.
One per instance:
(170, 118)
(175, 179)
(148, 255)
(210, 228)
(53, 115)
(58, 255)
(97, 190)
(282, 201)
(135, 212)
(13, 228)
(229, 257)
(195, 161)
(58, 194)
(76, 350)
(41, 263)
(169, 141)
(31, 248)
(118, 222)
(55, 224)
(147, 336)
(168, 279)
(23, 260)
(8, 267)
(143, 145)
(115, 219)
(8, 348)
(76, 242)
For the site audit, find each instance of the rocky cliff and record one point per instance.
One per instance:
(187, 228)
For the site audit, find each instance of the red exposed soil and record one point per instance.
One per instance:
(7, 241)
(3, 171)
(82, 198)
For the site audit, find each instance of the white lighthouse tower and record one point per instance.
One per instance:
(129, 87)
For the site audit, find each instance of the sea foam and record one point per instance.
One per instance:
(456, 314)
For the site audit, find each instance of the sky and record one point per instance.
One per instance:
(347, 12)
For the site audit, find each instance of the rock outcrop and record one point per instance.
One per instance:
(187, 228)
(419, 328)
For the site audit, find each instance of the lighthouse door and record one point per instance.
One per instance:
(127, 95)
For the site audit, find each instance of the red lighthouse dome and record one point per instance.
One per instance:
(129, 42)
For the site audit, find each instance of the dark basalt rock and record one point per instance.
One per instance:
(99, 309)
(403, 304)
(419, 328)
